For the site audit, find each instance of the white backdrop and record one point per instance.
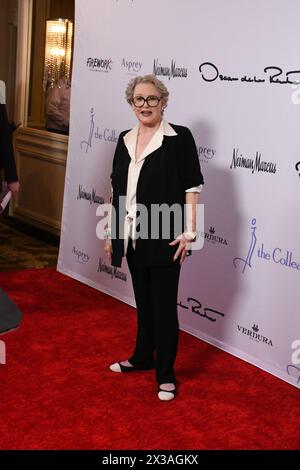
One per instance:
(235, 92)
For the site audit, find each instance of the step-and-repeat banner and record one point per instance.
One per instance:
(232, 70)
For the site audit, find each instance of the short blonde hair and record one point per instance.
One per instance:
(159, 85)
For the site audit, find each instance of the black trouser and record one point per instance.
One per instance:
(155, 289)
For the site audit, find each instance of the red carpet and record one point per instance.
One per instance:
(57, 391)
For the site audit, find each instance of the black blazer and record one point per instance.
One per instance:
(7, 161)
(165, 175)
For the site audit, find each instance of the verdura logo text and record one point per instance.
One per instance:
(104, 64)
(213, 237)
(253, 334)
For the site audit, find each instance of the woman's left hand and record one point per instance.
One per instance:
(184, 246)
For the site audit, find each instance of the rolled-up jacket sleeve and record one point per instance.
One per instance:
(190, 171)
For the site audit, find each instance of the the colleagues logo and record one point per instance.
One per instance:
(131, 66)
(282, 257)
(80, 256)
(111, 271)
(206, 154)
(297, 167)
(101, 134)
(239, 160)
(90, 196)
(246, 262)
(294, 368)
(95, 64)
(170, 71)
(254, 334)
(214, 237)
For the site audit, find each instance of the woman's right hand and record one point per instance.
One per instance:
(108, 248)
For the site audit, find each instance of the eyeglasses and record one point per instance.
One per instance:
(139, 101)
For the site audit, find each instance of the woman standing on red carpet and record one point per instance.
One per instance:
(155, 163)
